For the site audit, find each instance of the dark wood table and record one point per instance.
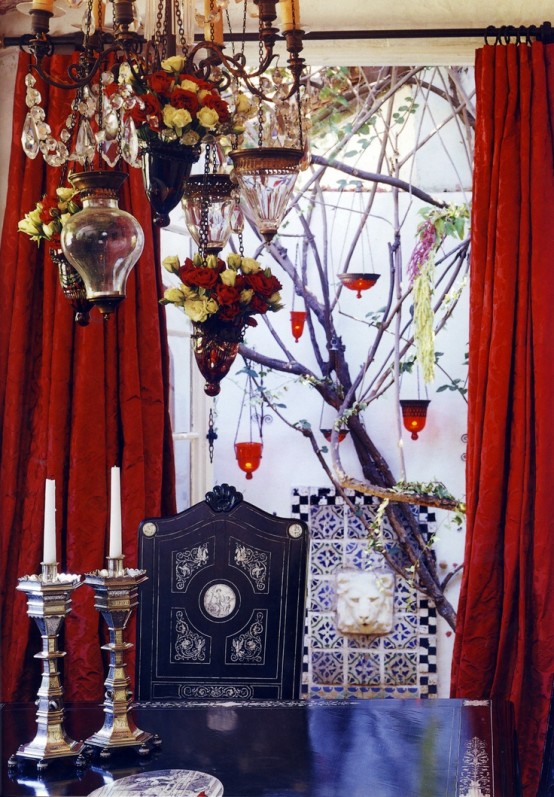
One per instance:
(318, 748)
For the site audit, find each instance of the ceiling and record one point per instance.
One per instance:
(329, 17)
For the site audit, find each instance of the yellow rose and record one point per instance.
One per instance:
(208, 118)
(176, 117)
(173, 64)
(211, 306)
(64, 194)
(125, 74)
(234, 261)
(171, 264)
(196, 309)
(211, 261)
(275, 300)
(34, 216)
(246, 295)
(228, 277)
(202, 94)
(50, 229)
(64, 218)
(27, 226)
(249, 265)
(189, 85)
(242, 103)
(175, 296)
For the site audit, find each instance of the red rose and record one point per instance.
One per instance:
(229, 312)
(110, 89)
(160, 82)
(215, 102)
(198, 276)
(151, 113)
(48, 205)
(180, 98)
(257, 305)
(265, 286)
(226, 294)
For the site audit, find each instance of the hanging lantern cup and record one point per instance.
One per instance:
(266, 177)
(414, 415)
(212, 192)
(214, 357)
(166, 167)
(248, 456)
(358, 282)
(101, 241)
(297, 320)
(328, 432)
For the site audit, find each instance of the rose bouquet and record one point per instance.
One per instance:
(223, 297)
(45, 222)
(174, 106)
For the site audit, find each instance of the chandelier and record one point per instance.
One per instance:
(154, 100)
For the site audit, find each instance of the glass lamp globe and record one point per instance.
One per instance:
(266, 177)
(209, 194)
(102, 241)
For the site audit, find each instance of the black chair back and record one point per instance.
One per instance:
(222, 613)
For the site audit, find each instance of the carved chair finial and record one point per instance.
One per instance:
(223, 498)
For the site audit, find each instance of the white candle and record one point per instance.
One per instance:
(49, 550)
(115, 515)
(288, 20)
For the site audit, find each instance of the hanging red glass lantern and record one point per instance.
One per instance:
(414, 415)
(297, 319)
(328, 432)
(248, 456)
(359, 282)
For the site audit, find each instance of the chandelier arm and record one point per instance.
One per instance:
(129, 45)
(235, 65)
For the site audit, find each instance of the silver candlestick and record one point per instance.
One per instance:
(115, 596)
(48, 602)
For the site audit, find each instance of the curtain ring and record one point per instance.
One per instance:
(493, 33)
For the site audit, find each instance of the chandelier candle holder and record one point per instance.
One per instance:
(414, 415)
(358, 282)
(48, 603)
(101, 241)
(115, 597)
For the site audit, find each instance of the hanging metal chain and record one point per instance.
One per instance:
(241, 243)
(211, 436)
(205, 207)
(181, 29)
(159, 37)
(260, 108)
(298, 98)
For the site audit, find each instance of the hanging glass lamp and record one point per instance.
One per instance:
(249, 456)
(102, 241)
(414, 415)
(211, 193)
(358, 282)
(266, 177)
(297, 320)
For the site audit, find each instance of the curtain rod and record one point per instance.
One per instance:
(504, 34)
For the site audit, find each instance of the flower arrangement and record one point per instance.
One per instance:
(45, 222)
(223, 297)
(436, 225)
(174, 106)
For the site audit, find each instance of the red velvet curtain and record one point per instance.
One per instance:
(74, 401)
(505, 636)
